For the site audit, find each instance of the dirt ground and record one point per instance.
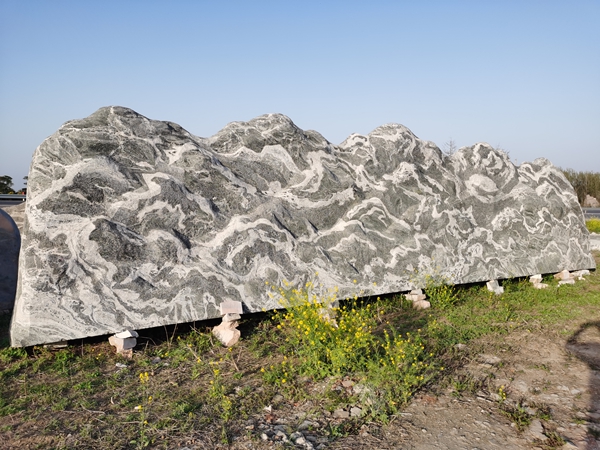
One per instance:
(544, 375)
(551, 379)
(530, 389)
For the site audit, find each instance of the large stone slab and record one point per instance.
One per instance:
(10, 242)
(134, 223)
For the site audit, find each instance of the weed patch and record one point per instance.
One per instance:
(593, 225)
(517, 414)
(324, 339)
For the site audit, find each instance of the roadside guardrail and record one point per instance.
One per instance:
(588, 213)
(13, 197)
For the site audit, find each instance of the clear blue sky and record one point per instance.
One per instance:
(522, 75)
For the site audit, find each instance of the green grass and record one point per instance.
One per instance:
(181, 383)
(593, 225)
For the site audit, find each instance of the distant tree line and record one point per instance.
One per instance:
(6, 185)
(584, 183)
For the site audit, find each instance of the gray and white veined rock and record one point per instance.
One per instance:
(134, 223)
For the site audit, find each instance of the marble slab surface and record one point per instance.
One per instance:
(134, 223)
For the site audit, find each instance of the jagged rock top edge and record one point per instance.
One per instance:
(281, 119)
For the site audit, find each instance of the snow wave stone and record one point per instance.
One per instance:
(134, 223)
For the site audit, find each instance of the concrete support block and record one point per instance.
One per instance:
(535, 278)
(231, 307)
(124, 342)
(415, 297)
(127, 334)
(421, 304)
(536, 281)
(579, 274)
(231, 317)
(328, 315)
(227, 333)
(495, 287)
(563, 275)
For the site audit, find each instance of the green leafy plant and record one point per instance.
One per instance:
(441, 292)
(553, 441)
(324, 340)
(441, 295)
(593, 225)
(222, 403)
(517, 413)
(143, 440)
(464, 384)
(328, 339)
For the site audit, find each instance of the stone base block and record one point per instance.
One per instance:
(495, 287)
(231, 307)
(563, 275)
(535, 278)
(579, 274)
(231, 317)
(328, 315)
(124, 342)
(421, 304)
(227, 333)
